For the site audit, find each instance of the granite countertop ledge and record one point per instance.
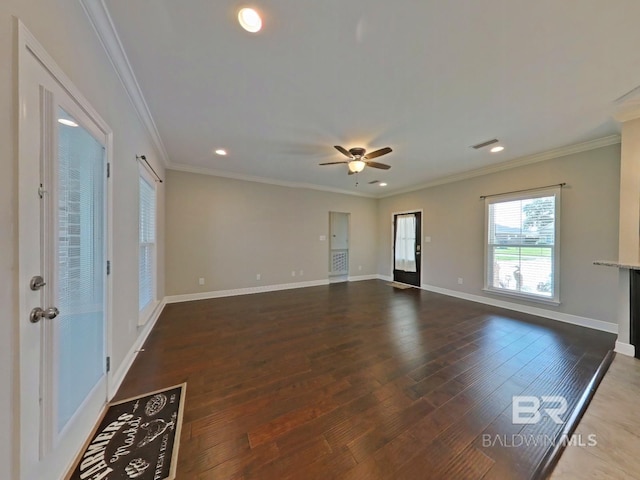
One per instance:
(618, 264)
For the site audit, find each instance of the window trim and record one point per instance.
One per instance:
(147, 312)
(555, 191)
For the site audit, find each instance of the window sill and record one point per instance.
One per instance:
(519, 296)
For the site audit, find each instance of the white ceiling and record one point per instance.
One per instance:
(428, 78)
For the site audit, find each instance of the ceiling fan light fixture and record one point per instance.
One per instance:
(383, 184)
(221, 151)
(497, 149)
(356, 166)
(250, 20)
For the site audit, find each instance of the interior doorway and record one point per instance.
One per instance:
(407, 252)
(338, 246)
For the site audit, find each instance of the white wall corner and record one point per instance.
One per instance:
(625, 349)
(118, 376)
(592, 323)
(102, 23)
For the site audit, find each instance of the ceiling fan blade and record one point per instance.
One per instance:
(332, 163)
(343, 151)
(383, 166)
(377, 153)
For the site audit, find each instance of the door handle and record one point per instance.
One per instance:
(38, 313)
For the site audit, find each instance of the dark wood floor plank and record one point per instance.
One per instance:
(358, 381)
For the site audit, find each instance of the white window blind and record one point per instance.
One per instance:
(147, 229)
(522, 245)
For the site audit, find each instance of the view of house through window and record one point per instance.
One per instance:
(522, 247)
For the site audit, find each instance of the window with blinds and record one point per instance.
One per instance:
(522, 245)
(147, 230)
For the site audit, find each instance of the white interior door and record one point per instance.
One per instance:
(63, 252)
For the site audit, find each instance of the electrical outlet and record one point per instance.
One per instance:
(459, 280)
(359, 267)
(293, 273)
(201, 281)
(323, 238)
(427, 239)
(258, 276)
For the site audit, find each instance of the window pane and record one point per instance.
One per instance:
(405, 248)
(146, 276)
(521, 246)
(80, 270)
(523, 269)
(147, 232)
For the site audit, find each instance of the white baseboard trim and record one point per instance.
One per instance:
(386, 278)
(338, 278)
(540, 312)
(359, 278)
(188, 297)
(625, 349)
(118, 376)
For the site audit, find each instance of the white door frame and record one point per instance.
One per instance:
(28, 427)
(393, 260)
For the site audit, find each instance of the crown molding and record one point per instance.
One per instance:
(102, 23)
(629, 111)
(181, 167)
(518, 162)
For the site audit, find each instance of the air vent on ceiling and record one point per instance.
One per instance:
(484, 144)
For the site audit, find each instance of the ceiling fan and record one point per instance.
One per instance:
(358, 160)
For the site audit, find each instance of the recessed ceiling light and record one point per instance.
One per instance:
(221, 151)
(250, 20)
(497, 149)
(383, 184)
(68, 123)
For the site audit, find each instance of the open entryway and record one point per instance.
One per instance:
(63, 265)
(407, 228)
(338, 247)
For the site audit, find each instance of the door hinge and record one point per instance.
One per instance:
(108, 267)
(108, 364)
(108, 170)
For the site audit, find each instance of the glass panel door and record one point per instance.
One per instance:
(79, 265)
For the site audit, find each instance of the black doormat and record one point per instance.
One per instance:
(137, 438)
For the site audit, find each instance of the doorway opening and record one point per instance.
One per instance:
(338, 247)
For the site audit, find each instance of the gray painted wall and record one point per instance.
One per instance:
(454, 219)
(227, 231)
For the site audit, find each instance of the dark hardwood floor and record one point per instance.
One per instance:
(361, 381)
